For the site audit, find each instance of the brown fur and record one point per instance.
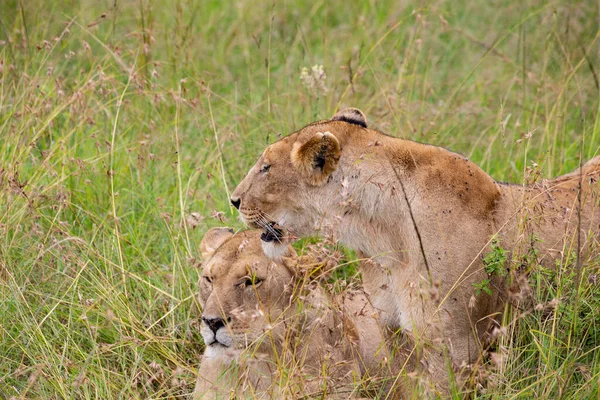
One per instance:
(279, 330)
(426, 215)
(317, 158)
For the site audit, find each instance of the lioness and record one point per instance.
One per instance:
(426, 215)
(268, 334)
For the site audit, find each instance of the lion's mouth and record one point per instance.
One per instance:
(272, 232)
(217, 344)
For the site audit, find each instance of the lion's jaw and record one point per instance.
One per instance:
(245, 328)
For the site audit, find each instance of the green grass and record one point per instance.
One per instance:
(119, 119)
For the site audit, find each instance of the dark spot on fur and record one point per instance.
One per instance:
(352, 119)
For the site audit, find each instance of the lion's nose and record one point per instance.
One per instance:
(236, 203)
(214, 323)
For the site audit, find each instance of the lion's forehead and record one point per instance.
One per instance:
(220, 269)
(277, 150)
(236, 258)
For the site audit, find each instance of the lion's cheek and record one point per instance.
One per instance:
(202, 295)
(271, 198)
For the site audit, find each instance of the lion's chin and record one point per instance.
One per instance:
(275, 250)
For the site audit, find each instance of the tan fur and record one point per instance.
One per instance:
(284, 338)
(382, 188)
(213, 239)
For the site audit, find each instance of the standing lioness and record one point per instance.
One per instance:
(426, 215)
(271, 334)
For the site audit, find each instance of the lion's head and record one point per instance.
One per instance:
(266, 322)
(291, 173)
(242, 291)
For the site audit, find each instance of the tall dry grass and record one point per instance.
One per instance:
(124, 125)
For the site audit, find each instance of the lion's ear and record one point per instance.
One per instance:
(213, 239)
(317, 158)
(352, 116)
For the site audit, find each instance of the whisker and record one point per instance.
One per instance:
(268, 225)
(263, 222)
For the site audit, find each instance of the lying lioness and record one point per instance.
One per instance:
(270, 334)
(427, 216)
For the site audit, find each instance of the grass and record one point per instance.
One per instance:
(124, 126)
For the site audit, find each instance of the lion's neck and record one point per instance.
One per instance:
(363, 210)
(380, 193)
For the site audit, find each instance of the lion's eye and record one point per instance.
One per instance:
(265, 168)
(208, 279)
(248, 281)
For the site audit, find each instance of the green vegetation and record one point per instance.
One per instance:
(124, 126)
